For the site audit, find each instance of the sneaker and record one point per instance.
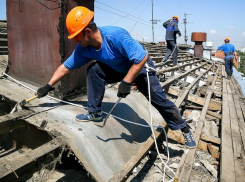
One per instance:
(89, 117)
(189, 140)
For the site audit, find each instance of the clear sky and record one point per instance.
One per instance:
(218, 18)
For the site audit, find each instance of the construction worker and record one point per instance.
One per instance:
(171, 30)
(120, 58)
(230, 52)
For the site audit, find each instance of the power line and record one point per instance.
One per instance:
(139, 16)
(125, 17)
(125, 12)
(171, 15)
(128, 13)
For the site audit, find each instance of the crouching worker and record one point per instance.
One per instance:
(120, 58)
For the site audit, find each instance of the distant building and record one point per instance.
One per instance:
(221, 55)
(242, 49)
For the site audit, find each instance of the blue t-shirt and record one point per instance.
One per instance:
(119, 51)
(228, 49)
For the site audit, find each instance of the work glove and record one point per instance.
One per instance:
(43, 91)
(123, 89)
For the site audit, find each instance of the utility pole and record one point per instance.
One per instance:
(185, 22)
(153, 21)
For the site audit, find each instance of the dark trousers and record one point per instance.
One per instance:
(170, 48)
(99, 74)
(228, 66)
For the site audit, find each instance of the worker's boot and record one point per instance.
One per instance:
(189, 140)
(89, 117)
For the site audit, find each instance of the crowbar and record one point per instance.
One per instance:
(111, 111)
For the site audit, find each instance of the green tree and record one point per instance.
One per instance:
(242, 62)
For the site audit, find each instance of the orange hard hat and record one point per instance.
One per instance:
(227, 39)
(175, 16)
(77, 19)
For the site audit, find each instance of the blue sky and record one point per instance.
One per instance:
(219, 19)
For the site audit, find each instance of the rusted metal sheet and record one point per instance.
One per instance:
(38, 43)
(198, 36)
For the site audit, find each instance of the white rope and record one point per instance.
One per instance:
(151, 126)
(165, 164)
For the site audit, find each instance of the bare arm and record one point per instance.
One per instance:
(58, 75)
(235, 55)
(135, 70)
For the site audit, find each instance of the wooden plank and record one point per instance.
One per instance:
(240, 117)
(190, 156)
(23, 161)
(227, 170)
(178, 137)
(176, 67)
(10, 121)
(211, 139)
(182, 161)
(122, 175)
(204, 146)
(198, 100)
(239, 95)
(214, 114)
(183, 96)
(236, 138)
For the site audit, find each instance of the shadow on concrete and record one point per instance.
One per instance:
(138, 133)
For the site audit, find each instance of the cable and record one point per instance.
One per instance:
(151, 126)
(128, 13)
(165, 164)
(171, 15)
(125, 17)
(139, 17)
(125, 12)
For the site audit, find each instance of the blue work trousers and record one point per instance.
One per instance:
(171, 46)
(99, 74)
(228, 66)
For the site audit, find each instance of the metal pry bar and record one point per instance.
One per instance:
(111, 111)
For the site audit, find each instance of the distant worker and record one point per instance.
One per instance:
(230, 52)
(119, 58)
(171, 30)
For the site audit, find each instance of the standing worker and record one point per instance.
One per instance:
(171, 30)
(230, 52)
(120, 58)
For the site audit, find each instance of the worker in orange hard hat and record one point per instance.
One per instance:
(175, 17)
(230, 53)
(119, 58)
(172, 29)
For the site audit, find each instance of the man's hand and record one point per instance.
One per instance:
(43, 91)
(179, 34)
(123, 89)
